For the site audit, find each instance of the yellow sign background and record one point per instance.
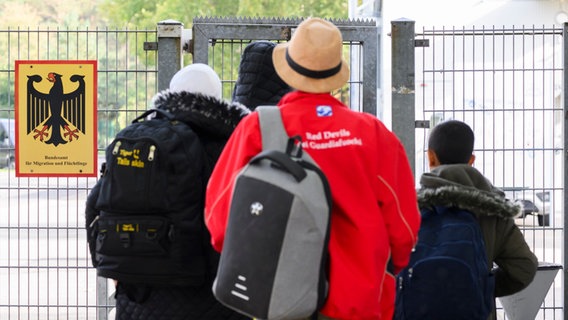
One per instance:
(76, 152)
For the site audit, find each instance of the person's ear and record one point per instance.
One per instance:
(432, 159)
(471, 160)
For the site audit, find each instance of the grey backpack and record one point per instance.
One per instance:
(274, 259)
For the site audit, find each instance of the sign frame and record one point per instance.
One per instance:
(56, 120)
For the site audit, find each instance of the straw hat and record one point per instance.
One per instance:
(312, 61)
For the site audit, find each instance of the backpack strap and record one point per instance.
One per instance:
(273, 133)
(272, 129)
(158, 112)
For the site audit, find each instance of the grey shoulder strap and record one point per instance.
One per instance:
(272, 130)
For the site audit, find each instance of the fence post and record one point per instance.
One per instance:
(170, 58)
(565, 152)
(103, 305)
(403, 87)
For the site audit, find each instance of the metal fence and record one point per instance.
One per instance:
(507, 84)
(220, 41)
(45, 268)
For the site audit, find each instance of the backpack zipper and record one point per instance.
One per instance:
(151, 153)
(116, 148)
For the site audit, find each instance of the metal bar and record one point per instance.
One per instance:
(565, 153)
(169, 51)
(403, 87)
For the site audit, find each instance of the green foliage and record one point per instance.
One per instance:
(126, 82)
(146, 13)
(293, 8)
(129, 13)
(53, 13)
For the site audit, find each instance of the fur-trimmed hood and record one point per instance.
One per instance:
(462, 186)
(205, 114)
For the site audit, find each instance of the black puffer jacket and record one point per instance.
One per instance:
(257, 82)
(213, 120)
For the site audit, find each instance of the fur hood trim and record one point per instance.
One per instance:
(479, 202)
(464, 187)
(203, 113)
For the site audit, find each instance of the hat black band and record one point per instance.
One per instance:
(311, 73)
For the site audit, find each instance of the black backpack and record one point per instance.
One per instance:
(150, 228)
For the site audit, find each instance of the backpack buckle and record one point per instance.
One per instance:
(125, 239)
(294, 147)
(151, 234)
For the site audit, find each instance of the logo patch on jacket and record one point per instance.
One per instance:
(324, 111)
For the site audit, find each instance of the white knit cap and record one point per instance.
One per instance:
(197, 78)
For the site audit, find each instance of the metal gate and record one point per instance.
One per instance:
(508, 85)
(219, 42)
(45, 267)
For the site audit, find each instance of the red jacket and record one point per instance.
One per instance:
(375, 214)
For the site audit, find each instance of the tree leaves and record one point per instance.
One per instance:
(146, 14)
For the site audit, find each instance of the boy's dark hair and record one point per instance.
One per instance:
(452, 141)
